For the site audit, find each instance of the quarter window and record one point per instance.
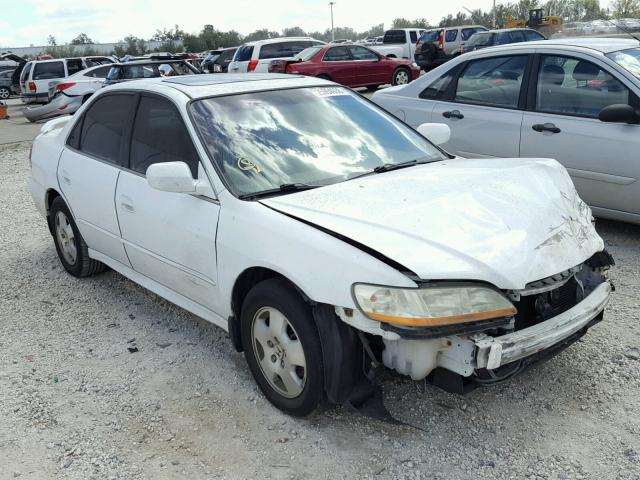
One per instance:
(159, 136)
(283, 49)
(74, 66)
(467, 32)
(413, 36)
(494, 81)
(570, 86)
(337, 54)
(103, 127)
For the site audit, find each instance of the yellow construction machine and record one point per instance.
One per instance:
(545, 24)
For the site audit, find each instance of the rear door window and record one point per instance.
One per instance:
(103, 127)
(517, 36)
(431, 36)
(99, 72)
(244, 53)
(48, 70)
(413, 36)
(159, 136)
(494, 81)
(467, 32)
(532, 35)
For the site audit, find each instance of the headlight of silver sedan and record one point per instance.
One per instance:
(431, 306)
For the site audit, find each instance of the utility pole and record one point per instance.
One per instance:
(494, 13)
(331, 4)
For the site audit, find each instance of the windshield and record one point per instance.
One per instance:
(479, 39)
(307, 54)
(313, 136)
(627, 59)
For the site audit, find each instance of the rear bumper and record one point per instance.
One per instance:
(60, 105)
(493, 352)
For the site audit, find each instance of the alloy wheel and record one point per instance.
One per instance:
(279, 352)
(66, 238)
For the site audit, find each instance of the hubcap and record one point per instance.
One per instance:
(4, 93)
(66, 238)
(402, 78)
(279, 352)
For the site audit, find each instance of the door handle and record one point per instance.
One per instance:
(453, 114)
(546, 127)
(65, 177)
(127, 203)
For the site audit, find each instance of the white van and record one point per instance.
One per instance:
(256, 56)
(38, 74)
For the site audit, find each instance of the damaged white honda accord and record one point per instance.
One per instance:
(327, 237)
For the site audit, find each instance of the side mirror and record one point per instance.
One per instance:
(619, 113)
(171, 177)
(437, 133)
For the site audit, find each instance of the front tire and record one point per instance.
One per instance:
(282, 347)
(4, 93)
(401, 76)
(71, 247)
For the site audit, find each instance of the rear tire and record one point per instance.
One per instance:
(4, 93)
(71, 247)
(282, 347)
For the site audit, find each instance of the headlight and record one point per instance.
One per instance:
(431, 306)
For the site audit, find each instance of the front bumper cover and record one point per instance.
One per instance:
(493, 352)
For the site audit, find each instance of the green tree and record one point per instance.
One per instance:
(168, 35)
(82, 39)
(625, 8)
(51, 41)
(294, 32)
(406, 23)
(261, 34)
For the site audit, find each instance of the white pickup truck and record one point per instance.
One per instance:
(399, 43)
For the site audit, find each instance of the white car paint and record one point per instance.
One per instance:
(599, 156)
(405, 49)
(262, 63)
(456, 219)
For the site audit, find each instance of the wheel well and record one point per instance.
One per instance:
(50, 196)
(244, 283)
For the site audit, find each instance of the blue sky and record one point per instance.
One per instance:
(26, 22)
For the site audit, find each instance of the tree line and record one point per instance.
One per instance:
(175, 39)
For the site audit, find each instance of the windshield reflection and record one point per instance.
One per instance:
(312, 136)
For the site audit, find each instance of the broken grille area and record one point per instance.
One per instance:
(533, 309)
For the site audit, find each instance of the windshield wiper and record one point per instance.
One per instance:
(284, 188)
(387, 167)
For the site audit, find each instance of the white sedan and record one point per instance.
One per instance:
(66, 96)
(575, 100)
(324, 235)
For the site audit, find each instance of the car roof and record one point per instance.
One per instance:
(203, 86)
(150, 62)
(603, 45)
(277, 40)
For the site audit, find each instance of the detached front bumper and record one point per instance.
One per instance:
(493, 352)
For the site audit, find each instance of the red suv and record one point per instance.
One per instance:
(349, 65)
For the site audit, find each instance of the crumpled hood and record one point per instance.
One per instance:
(505, 221)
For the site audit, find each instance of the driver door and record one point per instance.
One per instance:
(169, 237)
(601, 157)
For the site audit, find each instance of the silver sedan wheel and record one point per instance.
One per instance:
(279, 352)
(401, 77)
(4, 93)
(66, 238)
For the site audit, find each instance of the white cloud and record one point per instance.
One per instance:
(111, 20)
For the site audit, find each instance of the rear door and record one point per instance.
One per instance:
(169, 237)
(339, 65)
(46, 72)
(89, 168)
(369, 69)
(602, 158)
(483, 107)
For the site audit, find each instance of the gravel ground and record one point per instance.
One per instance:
(76, 404)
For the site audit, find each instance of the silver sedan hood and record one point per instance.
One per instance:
(505, 221)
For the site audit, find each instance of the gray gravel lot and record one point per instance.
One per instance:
(75, 404)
